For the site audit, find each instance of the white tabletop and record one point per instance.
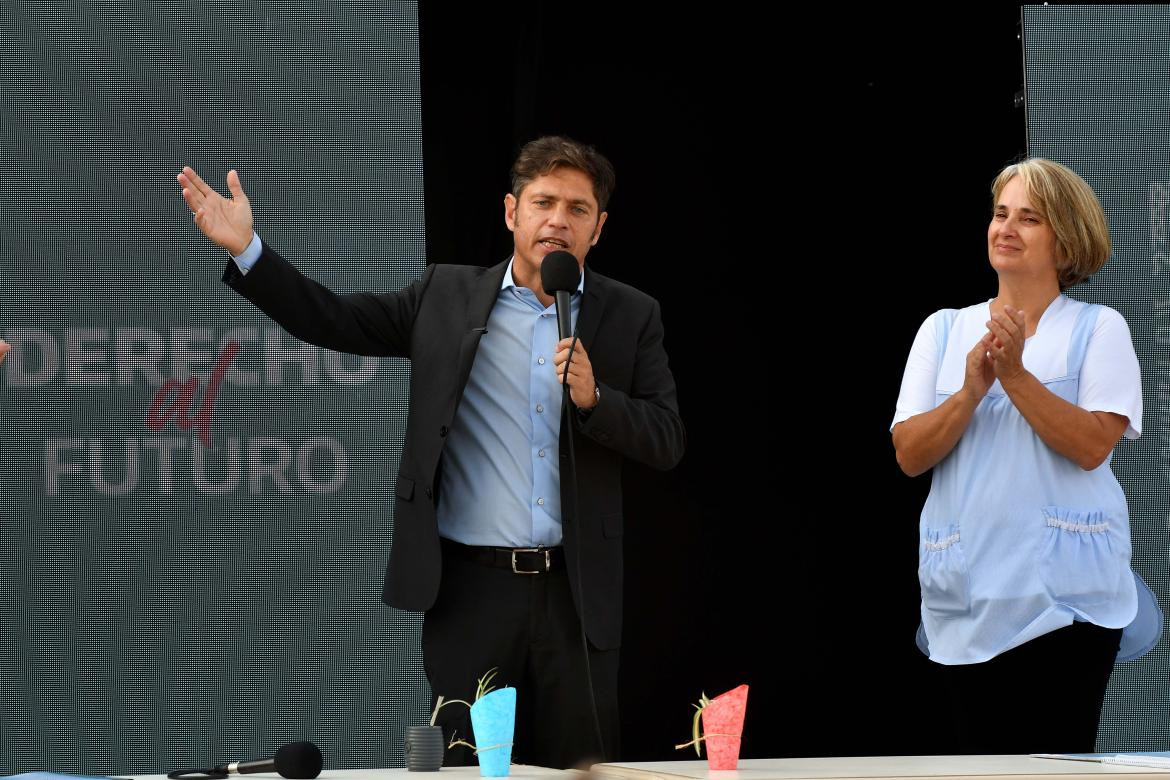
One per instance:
(883, 767)
(855, 768)
(447, 773)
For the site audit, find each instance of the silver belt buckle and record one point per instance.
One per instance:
(547, 559)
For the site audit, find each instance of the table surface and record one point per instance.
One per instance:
(852, 768)
(879, 767)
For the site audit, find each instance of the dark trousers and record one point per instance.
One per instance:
(527, 628)
(1044, 696)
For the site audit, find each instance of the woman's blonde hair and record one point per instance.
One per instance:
(1072, 210)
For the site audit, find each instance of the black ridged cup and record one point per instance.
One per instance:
(424, 748)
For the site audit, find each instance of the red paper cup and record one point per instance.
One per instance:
(723, 728)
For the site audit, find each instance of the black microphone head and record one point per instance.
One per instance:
(299, 760)
(559, 272)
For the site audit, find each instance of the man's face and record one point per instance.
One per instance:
(554, 212)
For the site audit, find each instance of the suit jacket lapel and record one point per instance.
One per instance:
(592, 308)
(480, 300)
(482, 297)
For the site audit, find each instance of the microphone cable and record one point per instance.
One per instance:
(567, 409)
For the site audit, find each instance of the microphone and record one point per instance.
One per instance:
(559, 275)
(298, 760)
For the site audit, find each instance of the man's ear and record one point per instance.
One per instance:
(597, 230)
(510, 204)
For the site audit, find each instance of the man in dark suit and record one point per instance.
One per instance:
(490, 537)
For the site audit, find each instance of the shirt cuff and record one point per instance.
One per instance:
(246, 259)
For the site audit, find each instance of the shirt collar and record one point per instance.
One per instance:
(508, 282)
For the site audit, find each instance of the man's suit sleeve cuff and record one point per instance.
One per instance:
(594, 424)
(246, 259)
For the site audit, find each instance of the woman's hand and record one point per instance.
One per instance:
(923, 440)
(1084, 437)
(1006, 344)
(980, 370)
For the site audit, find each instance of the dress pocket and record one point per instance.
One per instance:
(1080, 562)
(943, 574)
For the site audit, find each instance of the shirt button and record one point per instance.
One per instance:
(541, 453)
(540, 501)
(540, 361)
(539, 409)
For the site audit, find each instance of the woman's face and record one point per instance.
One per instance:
(1020, 242)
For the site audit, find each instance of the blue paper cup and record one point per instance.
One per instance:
(493, 719)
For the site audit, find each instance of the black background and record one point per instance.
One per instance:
(799, 192)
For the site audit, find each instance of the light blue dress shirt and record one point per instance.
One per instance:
(246, 259)
(501, 475)
(501, 480)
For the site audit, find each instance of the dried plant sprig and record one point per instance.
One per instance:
(440, 704)
(474, 749)
(697, 740)
(703, 702)
(484, 687)
(455, 741)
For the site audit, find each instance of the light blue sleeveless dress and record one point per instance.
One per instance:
(1017, 540)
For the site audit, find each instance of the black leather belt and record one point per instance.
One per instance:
(521, 560)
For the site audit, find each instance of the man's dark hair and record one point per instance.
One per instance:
(540, 157)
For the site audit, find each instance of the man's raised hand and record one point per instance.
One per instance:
(226, 222)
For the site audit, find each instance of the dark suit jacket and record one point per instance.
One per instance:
(437, 322)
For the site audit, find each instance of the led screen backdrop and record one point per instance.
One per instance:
(1098, 101)
(195, 509)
